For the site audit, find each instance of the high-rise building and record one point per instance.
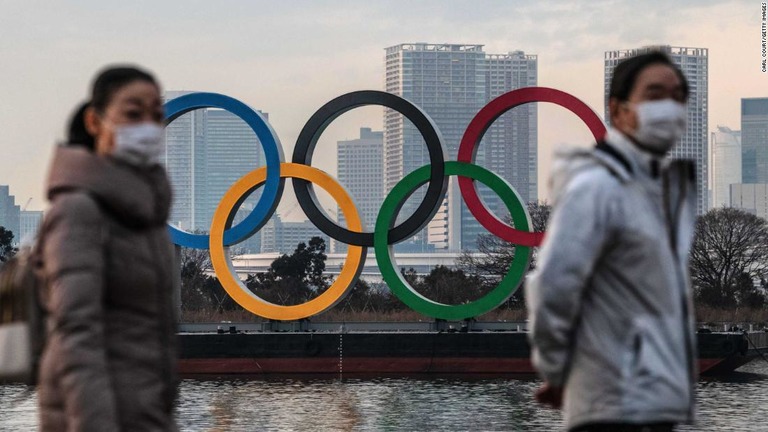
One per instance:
(754, 140)
(283, 236)
(512, 141)
(10, 213)
(726, 164)
(29, 225)
(750, 197)
(360, 169)
(448, 82)
(452, 82)
(693, 145)
(207, 150)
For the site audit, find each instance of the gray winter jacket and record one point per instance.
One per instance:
(610, 302)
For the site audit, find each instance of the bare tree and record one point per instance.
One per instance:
(194, 264)
(365, 297)
(494, 255)
(200, 291)
(729, 255)
(539, 212)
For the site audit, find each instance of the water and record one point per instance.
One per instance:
(733, 403)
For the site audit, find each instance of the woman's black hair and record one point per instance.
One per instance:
(77, 135)
(112, 79)
(106, 84)
(625, 74)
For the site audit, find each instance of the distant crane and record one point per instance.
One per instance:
(27, 204)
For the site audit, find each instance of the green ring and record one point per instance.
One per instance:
(385, 256)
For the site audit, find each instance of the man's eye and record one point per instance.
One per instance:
(133, 115)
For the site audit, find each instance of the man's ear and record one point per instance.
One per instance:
(92, 122)
(613, 109)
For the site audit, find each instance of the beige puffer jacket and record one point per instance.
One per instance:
(110, 359)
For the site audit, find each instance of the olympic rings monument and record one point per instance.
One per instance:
(271, 178)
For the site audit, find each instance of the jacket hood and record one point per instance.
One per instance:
(136, 196)
(626, 162)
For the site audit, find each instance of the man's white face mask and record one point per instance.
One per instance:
(661, 123)
(139, 144)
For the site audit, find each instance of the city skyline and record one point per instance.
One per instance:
(451, 83)
(448, 82)
(256, 54)
(751, 192)
(208, 150)
(10, 213)
(360, 166)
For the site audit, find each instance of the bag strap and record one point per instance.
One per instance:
(603, 147)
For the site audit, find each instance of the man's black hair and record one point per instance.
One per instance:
(626, 72)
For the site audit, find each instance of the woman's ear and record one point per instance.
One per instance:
(92, 122)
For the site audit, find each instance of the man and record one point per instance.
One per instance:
(610, 303)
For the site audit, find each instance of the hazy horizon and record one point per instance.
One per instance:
(289, 58)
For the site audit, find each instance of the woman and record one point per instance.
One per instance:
(109, 361)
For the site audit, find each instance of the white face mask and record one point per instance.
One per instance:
(661, 123)
(139, 144)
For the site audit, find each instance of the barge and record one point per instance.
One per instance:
(277, 348)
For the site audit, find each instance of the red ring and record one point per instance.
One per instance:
(475, 131)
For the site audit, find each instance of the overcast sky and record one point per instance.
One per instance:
(289, 57)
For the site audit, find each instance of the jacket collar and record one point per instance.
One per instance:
(641, 162)
(137, 196)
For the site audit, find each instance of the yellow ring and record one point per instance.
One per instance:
(222, 264)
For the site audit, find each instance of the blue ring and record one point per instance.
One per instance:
(273, 154)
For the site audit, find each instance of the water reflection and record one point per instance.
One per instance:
(363, 405)
(18, 408)
(237, 404)
(735, 403)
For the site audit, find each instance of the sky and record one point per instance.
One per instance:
(288, 58)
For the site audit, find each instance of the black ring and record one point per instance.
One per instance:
(305, 147)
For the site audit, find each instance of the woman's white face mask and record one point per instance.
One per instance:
(660, 124)
(139, 144)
